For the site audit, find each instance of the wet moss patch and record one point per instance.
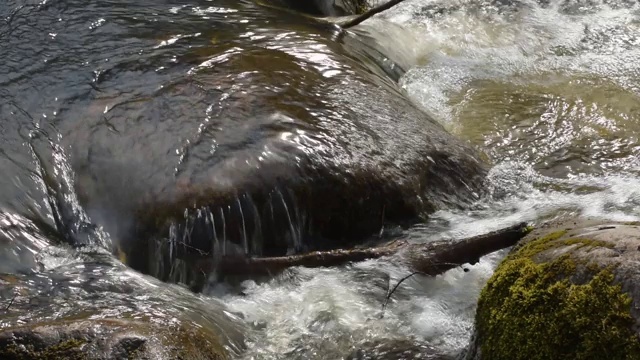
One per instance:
(533, 310)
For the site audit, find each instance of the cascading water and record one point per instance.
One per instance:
(549, 89)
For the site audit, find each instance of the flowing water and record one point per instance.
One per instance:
(547, 89)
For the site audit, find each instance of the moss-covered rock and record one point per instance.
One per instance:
(567, 291)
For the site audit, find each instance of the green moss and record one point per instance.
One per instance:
(539, 245)
(530, 310)
(555, 240)
(582, 242)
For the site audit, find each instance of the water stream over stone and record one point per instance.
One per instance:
(548, 90)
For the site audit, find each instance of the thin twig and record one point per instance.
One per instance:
(11, 302)
(202, 252)
(389, 293)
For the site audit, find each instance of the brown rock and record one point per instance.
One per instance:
(109, 339)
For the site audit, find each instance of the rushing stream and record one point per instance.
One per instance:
(548, 89)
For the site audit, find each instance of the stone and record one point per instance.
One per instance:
(108, 339)
(269, 145)
(90, 306)
(396, 350)
(570, 289)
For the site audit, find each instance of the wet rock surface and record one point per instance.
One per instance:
(396, 350)
(84, 304)
(569, 289)
(108, 339)
(288, 141)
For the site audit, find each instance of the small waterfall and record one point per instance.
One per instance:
(70, 219)
(245, 225)
(216, 242)
(186, 234)
(173, 235)
(244, 228)
(257, 242)
(299, 221)
(295, 239)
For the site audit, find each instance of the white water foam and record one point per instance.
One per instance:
(470, 40)
(322, 313)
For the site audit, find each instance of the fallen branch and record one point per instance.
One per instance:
(373, 11)
(431, 258)
(437, 257)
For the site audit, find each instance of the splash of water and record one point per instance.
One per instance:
(56, 179)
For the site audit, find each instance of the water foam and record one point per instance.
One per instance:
(322, 313)
(470, 40)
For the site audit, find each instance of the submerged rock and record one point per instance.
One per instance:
(109, 339)
(84, 304)
(396, 350)
(568, 291)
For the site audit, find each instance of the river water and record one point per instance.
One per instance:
(547, 89)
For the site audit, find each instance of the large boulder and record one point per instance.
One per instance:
(569, 290)
(269, 139)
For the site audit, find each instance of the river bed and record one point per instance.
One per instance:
(547, 89)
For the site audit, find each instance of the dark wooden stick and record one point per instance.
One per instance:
(240, 265)
(437, 257)
(373, 11)
(431, 258)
